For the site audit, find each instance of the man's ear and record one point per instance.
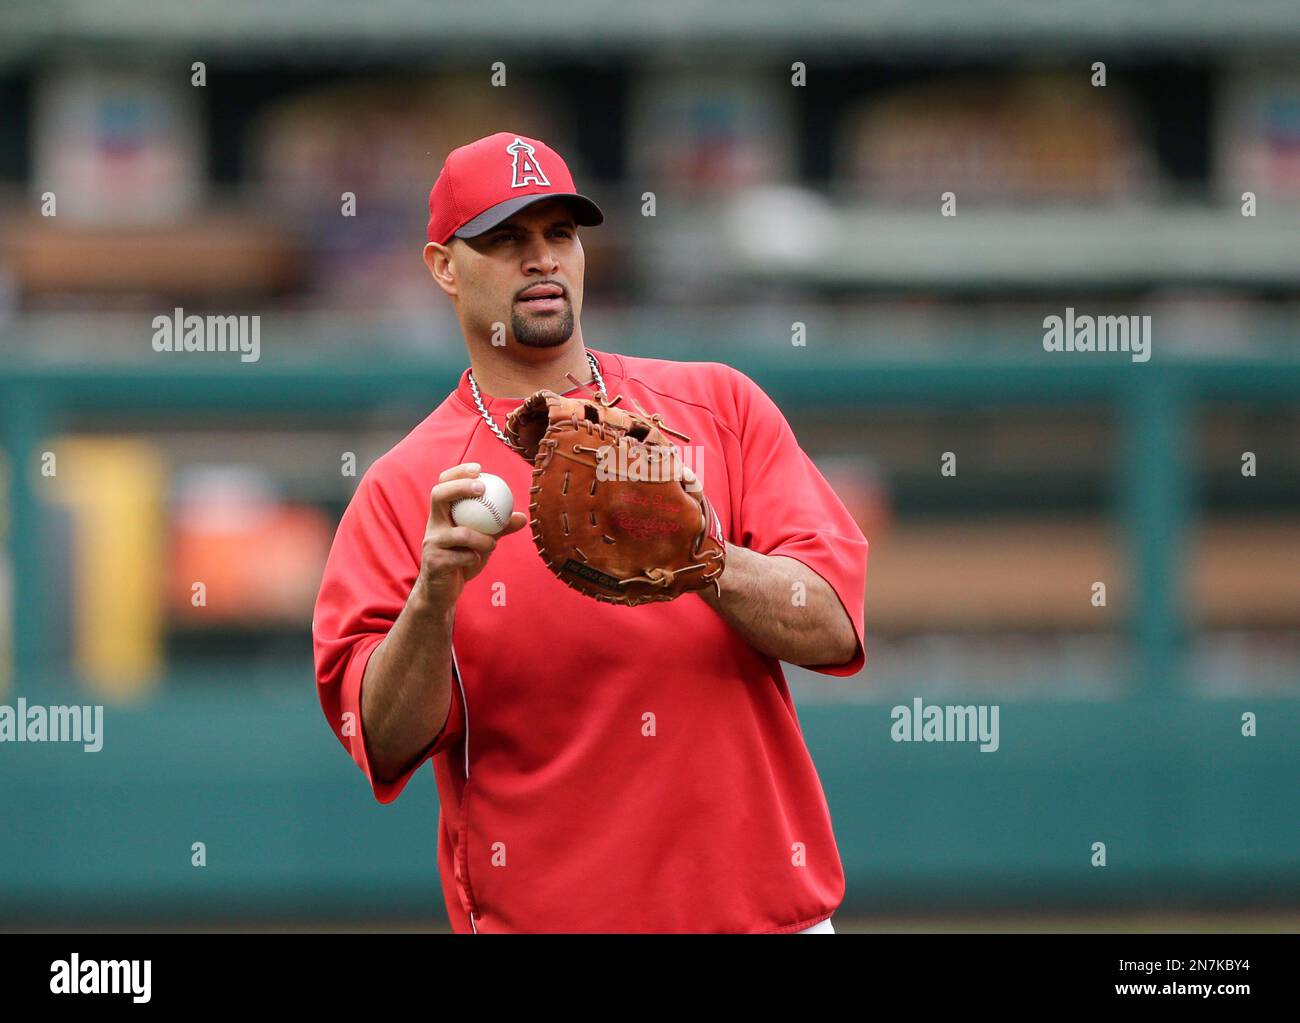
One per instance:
(438, 259)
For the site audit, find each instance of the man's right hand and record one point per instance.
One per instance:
(452, 555)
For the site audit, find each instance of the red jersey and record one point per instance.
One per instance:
(606, 768)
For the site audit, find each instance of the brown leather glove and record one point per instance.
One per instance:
(614, 512)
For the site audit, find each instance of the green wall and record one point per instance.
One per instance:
(1190, 811)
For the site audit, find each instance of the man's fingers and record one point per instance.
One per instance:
(458, 482)
(455, 490)
(457, 471)
(462, 558)
(463, 537)
(517, 522)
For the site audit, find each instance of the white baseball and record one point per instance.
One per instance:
(489, 512)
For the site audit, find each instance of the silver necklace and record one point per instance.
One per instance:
(478, 400)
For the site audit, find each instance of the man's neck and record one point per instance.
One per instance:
(502, 373)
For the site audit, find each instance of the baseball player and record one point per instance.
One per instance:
(601, 766)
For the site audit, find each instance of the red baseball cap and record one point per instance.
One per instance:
(491, 180)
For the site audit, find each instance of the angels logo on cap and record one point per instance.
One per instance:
(492, 179)
(526, 170)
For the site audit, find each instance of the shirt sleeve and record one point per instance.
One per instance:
(787, 508)
(368, 577)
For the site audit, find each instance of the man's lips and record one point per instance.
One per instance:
(542, 291)
(543, 297)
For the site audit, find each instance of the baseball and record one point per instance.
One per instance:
(490, 511)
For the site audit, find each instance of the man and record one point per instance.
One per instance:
(599, 767)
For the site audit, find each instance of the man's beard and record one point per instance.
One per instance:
(543, 331)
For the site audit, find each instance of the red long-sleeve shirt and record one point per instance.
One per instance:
(606, 768)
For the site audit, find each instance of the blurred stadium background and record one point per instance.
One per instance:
(775, 204)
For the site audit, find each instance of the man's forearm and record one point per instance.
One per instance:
(406, 690)
(783, 608)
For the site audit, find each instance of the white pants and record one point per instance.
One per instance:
(822, 928)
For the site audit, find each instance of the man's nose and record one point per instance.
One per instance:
(541, 255)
